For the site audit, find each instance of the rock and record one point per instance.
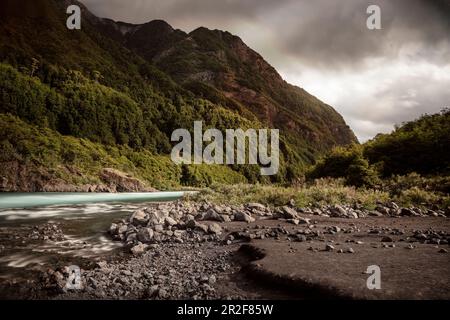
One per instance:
(302, 220)
(257, 206)
(178, 233)
(338, 211)
(225, 218)
(291, 203)
(121, 182)
(242, 216)
(336, 229)
(153, 291)
(212, 280)
(155, 218)
(350, 250)
(102, 264)
(406, 212)
(289, 213)
(139, 218)
(293, 221)
(392, 205)
(317, 212)
(387, 239)
(383, 210)
(122, 229)
(162, 293)
(353, 214)
(329, 247)
(421, 236)
(170, 221)
(214, 228)
(443, 250)
(139, 249)
(432, 213)
(194, 225)
(212, 215)
(145, 235)
(113, 229)
(373, 213)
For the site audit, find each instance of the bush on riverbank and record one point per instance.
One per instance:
(323, 192)
(419, 146)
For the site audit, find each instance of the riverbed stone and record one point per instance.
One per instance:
(145, 235)
(139, 249)
(242, 216)
(139, 218)
(289, 213)
(215, 228)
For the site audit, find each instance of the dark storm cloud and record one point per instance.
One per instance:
(323, 32)
(375, 78)
(334, 34)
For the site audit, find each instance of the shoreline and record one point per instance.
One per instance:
(197, 250)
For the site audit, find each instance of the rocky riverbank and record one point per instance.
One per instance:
(191, 250)
(199, 222)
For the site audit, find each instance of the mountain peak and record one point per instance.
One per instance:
(160, 25)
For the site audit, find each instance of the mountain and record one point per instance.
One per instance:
(222, 68)
(126, 87)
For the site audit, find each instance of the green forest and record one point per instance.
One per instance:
(82, 101)
(420, 146)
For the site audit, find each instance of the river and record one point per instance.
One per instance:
(84, 219)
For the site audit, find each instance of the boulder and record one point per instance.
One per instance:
(194, 225)
(122, 229)
(170, 221)
(407, 212)
(214, 228)
(139, 249)
(113, 229)
(145, 235)
(289, 213)
(242, 216)
(139, 218)
(338, 211)
(374, 213)
(212, 215)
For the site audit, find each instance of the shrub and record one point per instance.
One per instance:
(347, 163)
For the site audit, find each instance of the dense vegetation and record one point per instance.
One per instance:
(79, 161)
(87, 85)
(220, 67)
(420, 146)
(72, 103)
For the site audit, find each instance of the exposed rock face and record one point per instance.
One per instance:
(15, 177)
(120, 182)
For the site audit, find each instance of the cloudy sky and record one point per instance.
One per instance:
(374, 78)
